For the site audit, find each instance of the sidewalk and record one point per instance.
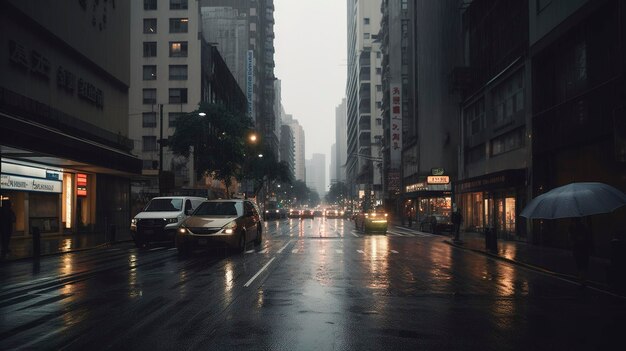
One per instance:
(22, 247)
(554, 261)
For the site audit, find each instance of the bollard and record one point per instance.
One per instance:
(36, 242)
(491, 241)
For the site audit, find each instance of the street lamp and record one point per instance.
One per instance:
(201, 114)
(260, 155)
(252, 138)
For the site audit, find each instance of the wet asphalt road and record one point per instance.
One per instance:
(311, 285)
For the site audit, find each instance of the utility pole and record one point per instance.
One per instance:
(160, 140)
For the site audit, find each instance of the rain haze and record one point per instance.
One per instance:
(311, 64)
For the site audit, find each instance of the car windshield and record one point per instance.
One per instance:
(164, 205)
(225, 208)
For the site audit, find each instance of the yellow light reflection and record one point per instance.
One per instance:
(228, 276)
(68, 265)
(66, 245)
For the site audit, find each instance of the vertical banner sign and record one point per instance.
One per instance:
(396, 125)
(81, 184)
(250, 83)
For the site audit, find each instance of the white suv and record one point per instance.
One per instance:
(161, 217)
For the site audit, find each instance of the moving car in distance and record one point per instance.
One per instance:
(293, 213)
(436, 224)
(160, 219)
(307, 213)
(273, 211)
(374, 220)
(333, 213)
(218, 223)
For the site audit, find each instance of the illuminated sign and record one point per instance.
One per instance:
(12, 182)
(437, 171)
(396, 125)
(415, 187)
(438, 179)
(81, 184)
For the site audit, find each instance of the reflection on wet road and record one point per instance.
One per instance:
(313, 284)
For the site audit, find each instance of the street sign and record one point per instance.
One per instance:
(437, 171)
(438, 179)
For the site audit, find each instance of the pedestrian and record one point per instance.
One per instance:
(616, 272)
(7, 218)
(582, 246)
(457, 219)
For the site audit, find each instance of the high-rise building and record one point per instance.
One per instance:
(364, 99)
(227, 29)
(298, 136)
(64, 141)
(260, 77)
(333, 163)
(287, 148)
(316, 174)
(341, 141)
(173, 69)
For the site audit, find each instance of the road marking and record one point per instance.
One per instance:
(294, 251)
(156, 248)
(355, 235)
(339, 251)
(250, 251)
(174, 248)
(259, 272)
(284, 247)
(360, 251)
(394, 251)
(263, 251)
(322, 251)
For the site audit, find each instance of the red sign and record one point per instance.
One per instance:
(81, 184)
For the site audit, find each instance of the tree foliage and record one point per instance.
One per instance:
(217, 140)
(338, 193)
(265, 170)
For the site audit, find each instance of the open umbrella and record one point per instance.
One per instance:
(575, 200)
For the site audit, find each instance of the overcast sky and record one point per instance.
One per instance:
(311, 64)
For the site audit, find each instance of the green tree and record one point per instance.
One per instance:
(217, 137)
(338, 193)
(266, 170)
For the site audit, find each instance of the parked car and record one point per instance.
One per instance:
(160, 219)
(230, 223)
(371, 221)
(436, 224)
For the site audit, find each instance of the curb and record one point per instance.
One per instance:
(64, 252)
(596, 285)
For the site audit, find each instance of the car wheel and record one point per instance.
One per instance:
(242, 243)
(259, 236)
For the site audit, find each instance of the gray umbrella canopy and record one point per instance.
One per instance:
(575, 200)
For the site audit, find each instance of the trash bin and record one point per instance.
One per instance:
(491, 241)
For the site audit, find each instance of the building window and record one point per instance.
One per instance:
(178, 49)
(476, 153)
(178, 4)
(149, 96)
(178, 72)
(149, 119)
(507, 142)
(149, 4)
(149, 25)
(149, 143)
(149, 49)
(179, 25)
(366, 20)
(366, 35)
(508, 99)
(475, 117)
(173, 117)
(149, 72)
(379, 121)
(379, 70)
(150, 164)
(405, 4)
(178, 96)
(379, 87)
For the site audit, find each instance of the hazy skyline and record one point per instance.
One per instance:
(310, 60)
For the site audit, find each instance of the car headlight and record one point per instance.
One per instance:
(276, 211)
(133, 221)
(182, 230)
(170, 220)
(267, 211)
(230, 227)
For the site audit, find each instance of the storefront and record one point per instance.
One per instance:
(424, 200)
(494, 200)
(54, 200)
